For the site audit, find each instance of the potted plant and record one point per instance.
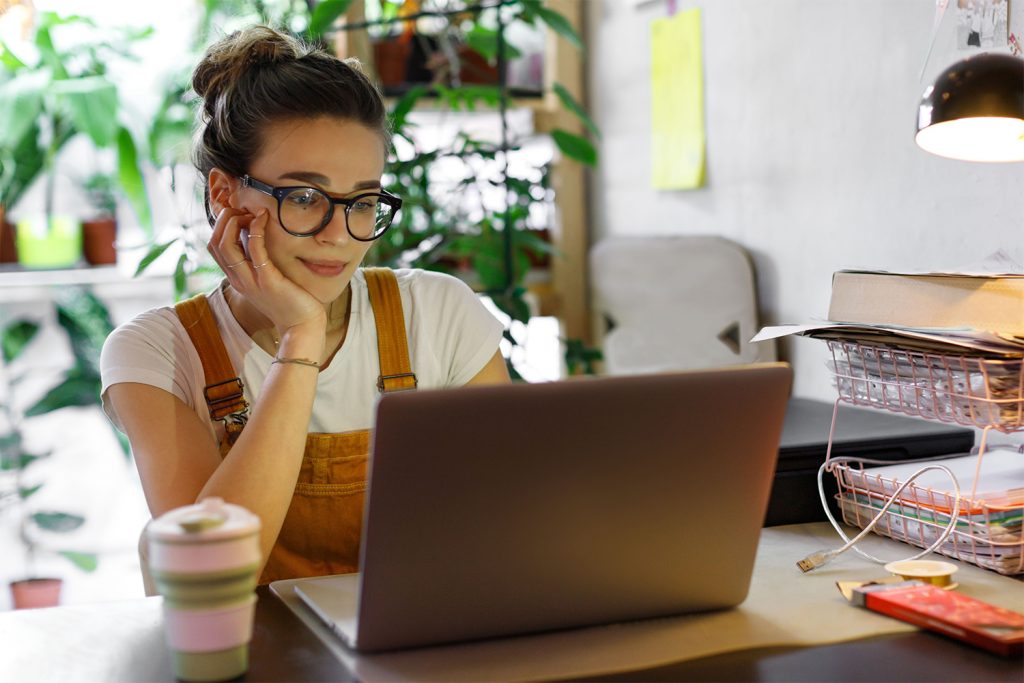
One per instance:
(86, 322)
(8, 246)
(99, 231)
(46, 101)
(391, 42)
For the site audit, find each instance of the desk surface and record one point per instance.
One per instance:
(124, 641)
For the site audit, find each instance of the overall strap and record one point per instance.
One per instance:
(392, 345)
(224, 389)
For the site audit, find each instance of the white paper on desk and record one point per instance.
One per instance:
(1001, 474)
(775, 331)
(978, 341)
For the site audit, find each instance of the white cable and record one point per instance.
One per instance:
(822, 557)
(940, 11)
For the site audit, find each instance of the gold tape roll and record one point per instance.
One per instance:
(930, 571)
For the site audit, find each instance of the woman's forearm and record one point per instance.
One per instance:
(262, 467)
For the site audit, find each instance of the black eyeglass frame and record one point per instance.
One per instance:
(279, 193)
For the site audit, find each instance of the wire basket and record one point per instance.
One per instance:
(974, 391)
(968, 390)
(987, 533)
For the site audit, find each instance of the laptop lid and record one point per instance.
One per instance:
(500, 510)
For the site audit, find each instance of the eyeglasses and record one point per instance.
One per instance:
(304, 211)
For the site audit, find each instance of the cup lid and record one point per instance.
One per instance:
(211, 519)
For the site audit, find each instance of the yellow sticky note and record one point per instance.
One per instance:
(677, 102)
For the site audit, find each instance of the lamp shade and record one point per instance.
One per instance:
(975, 110)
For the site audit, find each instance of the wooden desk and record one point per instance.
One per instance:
(283, 649)
(123, 641)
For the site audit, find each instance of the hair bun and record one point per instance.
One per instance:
(228, 60)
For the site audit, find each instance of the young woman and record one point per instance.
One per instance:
(262, 391)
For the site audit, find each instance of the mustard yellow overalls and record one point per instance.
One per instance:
(321, 532)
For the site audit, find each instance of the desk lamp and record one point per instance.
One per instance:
(975, 110)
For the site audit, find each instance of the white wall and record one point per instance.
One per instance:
(810, 110)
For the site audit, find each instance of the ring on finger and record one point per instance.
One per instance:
(252, 237)
(257, 267)
(235, 265)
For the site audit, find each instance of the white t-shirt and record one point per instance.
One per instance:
(451, 337)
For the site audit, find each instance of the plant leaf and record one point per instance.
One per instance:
(575, 147)
(58, 522)
(325, 14)
(180, 278)
(13, 458)
(22, 166)
(559, 24)
(10, 60)
(485, 41)
(570, 103)
(9, 441)
(405, 105)
(87, 323)
(27, 492)
(21, 101)
(16, 337)
(170, 134)
(47, 52)
(154, 253)
(87, 562)
(92, 102)
(513, 304)
(76, 390)
(130, 177)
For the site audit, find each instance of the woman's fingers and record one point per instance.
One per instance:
(226, 248)
(238, 245)
(254, 241)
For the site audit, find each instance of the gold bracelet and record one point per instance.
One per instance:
(297, 361)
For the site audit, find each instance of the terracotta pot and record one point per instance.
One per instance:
(98, 238)
(31, 593)
(8, 247)
(390, 57)
(475, 68)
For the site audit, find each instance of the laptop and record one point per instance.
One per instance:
(501, 510)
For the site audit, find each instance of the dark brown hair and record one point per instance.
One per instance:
(259, 76)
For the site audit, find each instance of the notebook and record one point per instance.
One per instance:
(501, 510)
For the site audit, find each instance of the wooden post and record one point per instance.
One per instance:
(569, 299)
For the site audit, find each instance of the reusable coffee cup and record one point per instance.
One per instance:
(204, 560)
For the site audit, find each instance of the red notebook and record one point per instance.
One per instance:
(950, 613)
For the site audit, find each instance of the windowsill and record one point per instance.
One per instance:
(20, 284)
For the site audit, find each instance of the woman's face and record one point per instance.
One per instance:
(339, 156)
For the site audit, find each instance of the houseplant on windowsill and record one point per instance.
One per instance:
(47, 98)
(86, 322)
(99, 231)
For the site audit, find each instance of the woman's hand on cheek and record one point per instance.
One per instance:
(254, 275)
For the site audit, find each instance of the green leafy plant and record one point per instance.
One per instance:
(450, 220)
(86, 322)
(64, 92)
(101, 191)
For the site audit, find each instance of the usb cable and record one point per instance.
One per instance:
(822, 557)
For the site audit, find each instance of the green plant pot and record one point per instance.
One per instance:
(56, 245)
